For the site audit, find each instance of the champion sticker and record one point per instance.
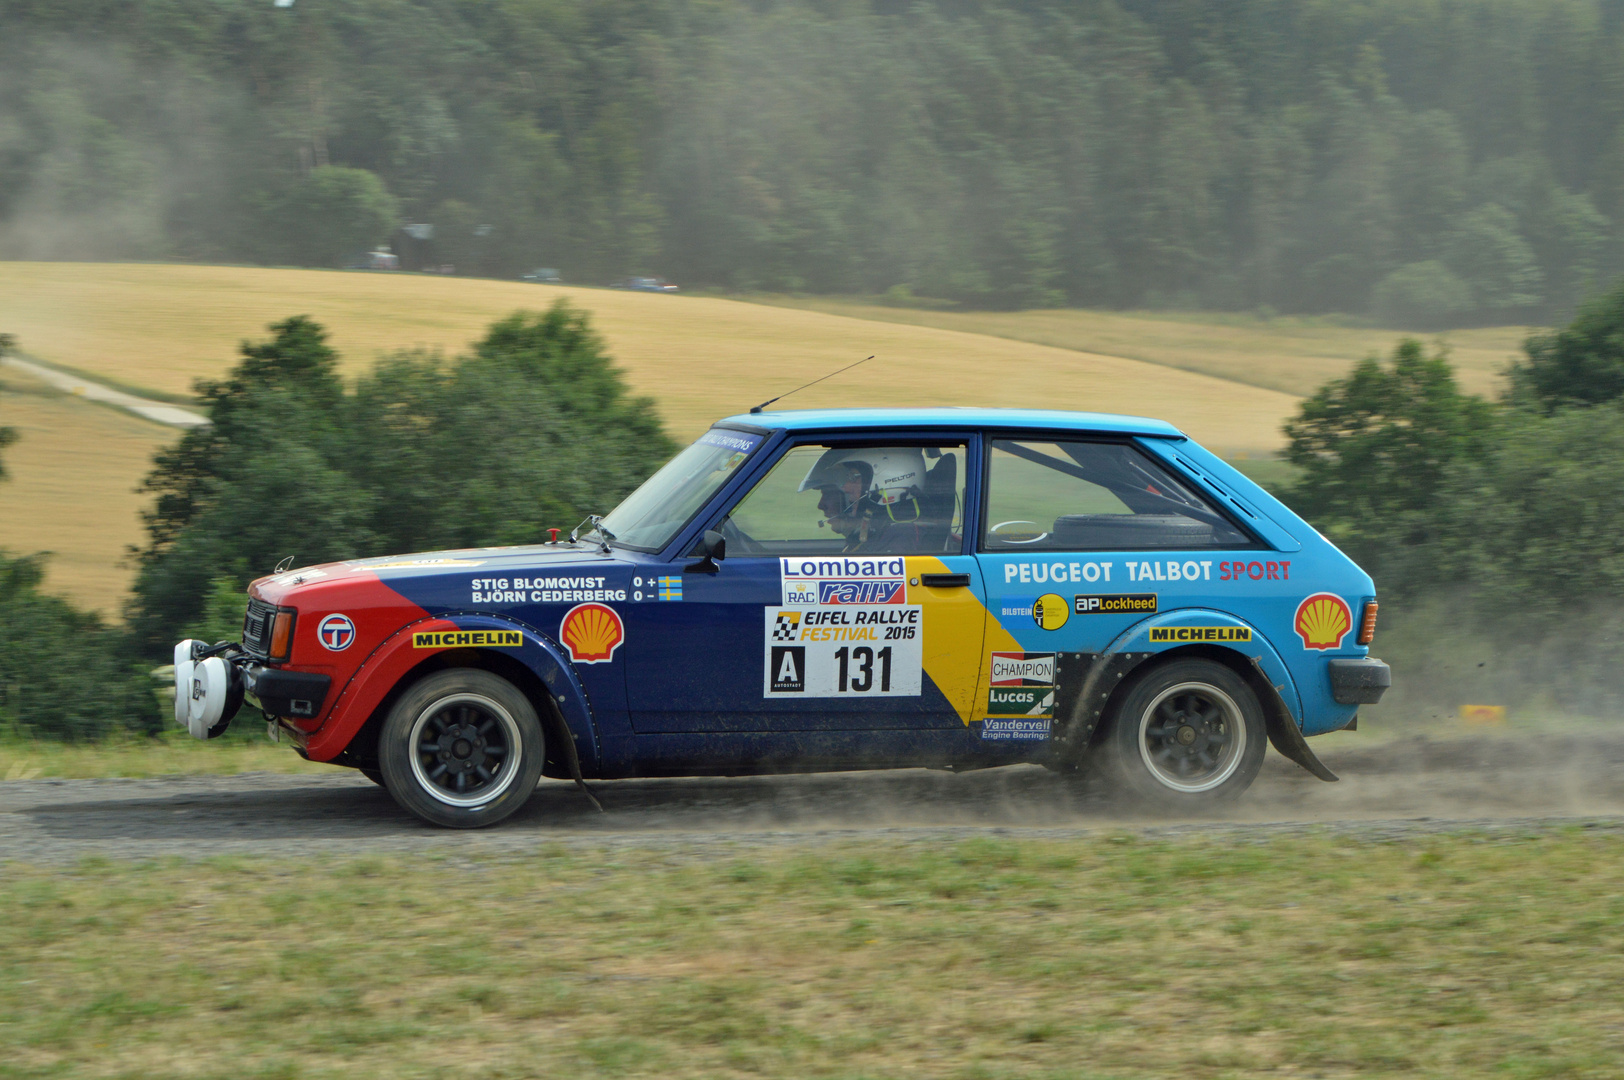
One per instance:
(336, 633)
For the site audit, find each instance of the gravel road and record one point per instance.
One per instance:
(1407, 787)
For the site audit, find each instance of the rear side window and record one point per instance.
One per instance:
(1094, 496)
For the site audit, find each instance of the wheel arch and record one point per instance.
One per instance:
(537, 668)
(1100, 691)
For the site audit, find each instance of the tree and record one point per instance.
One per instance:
(1422, 296)
(1486, 250)
(333, 214)
(1376, 446)
(63, 673)
(534, 429)
(1581, 364)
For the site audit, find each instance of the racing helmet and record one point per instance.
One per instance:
(889, 474)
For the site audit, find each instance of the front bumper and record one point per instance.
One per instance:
(297, 695)
(1359, 682)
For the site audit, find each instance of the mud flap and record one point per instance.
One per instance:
(566, 739)
(1283, 732)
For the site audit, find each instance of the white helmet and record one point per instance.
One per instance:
(890, 473)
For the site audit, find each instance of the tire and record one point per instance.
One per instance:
(462, 748)
(1187, 734)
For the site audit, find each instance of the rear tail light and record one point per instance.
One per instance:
(1367, 625)
(281, 635)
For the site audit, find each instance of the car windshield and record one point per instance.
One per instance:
(654, 513)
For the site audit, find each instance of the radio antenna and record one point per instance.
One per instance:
(814, 382)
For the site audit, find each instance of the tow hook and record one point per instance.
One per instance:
(208, 688)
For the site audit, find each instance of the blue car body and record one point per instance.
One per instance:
(662, 661)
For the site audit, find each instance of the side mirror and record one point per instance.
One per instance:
(714, 545)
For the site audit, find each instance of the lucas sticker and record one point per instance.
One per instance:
(846, 651)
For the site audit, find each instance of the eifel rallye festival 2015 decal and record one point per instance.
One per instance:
(874, 651)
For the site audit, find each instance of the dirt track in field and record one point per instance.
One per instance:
(1406, 787)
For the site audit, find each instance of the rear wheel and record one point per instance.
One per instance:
(461, 748)
(1187, 734)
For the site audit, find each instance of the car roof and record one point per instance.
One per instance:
(1012, 419)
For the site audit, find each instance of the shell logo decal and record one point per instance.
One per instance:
(1323, 620)
(592, 632)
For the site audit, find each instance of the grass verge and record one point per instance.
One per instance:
(1110, 957)
(172, 753)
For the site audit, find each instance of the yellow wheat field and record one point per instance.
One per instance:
(73, 474)
(160, 327)
(1294, 355)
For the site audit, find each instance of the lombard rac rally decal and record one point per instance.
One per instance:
(873, 651)
(592, 633)
(844, 580)
(1020, 701)
(1323, 620)
(336, 633)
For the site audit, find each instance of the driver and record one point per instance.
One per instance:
(870, 496)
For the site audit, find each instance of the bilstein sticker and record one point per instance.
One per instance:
(1118, 603)
(1050, 611)
(1161, 635)
(455, 639)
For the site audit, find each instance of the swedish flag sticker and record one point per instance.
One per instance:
(671, 588)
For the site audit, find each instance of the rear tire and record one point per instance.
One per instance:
(1187, 734)
(462, 748)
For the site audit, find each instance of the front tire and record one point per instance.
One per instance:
(1187, 734)
(462, 748)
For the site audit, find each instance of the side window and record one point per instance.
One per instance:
(1094, 496)
(886, 499)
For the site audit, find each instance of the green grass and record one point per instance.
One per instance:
(172, 753)
(1118, 956)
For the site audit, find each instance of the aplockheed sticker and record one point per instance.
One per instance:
(856, 651)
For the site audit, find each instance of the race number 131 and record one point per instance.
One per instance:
(856, 671)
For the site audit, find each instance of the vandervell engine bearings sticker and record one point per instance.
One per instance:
(1020, 699)
(848, 650)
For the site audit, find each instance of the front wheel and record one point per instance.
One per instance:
(1187, 734)
(462, 748)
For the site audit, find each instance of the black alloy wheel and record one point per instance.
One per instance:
(462, 748)
(1186, 733)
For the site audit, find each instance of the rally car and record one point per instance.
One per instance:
(823, 590)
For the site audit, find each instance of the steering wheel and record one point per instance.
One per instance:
(997, 533)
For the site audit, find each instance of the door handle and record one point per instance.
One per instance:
(945, 581)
